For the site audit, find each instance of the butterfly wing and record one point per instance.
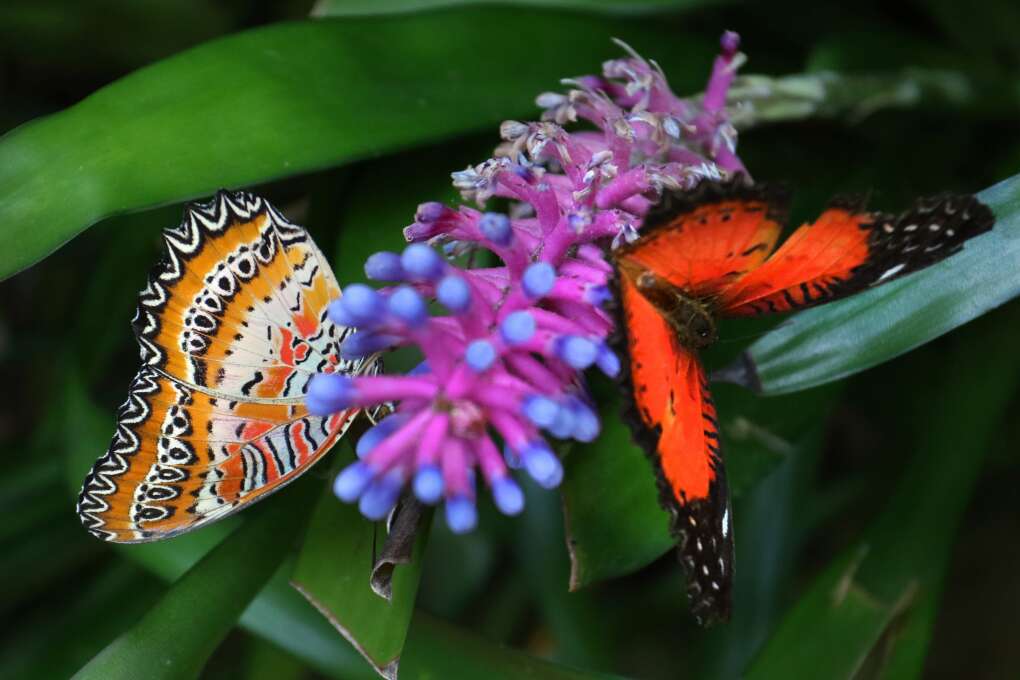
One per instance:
(231, 326)
(703, 240)
(848, 249)
(673, 417)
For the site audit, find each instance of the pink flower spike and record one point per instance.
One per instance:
(506, 347)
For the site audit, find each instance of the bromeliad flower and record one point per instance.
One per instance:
(503, 366)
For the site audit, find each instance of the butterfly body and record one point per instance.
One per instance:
(711, 254)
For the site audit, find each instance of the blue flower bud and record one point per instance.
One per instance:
(586, 422)
(608, 362)
(507, 495)
(496, 227)
(422, 262)
(378, 432)
(363, 305)
(540, 410)
(538, 279)
(562, 425)
(363, 343)
(428, 484)
(480, 355)
(461, 514)
(381, 495)
(513, 460)
(384, 266)
(517, 327)
(543, 465)
(454, 293)
(597, 295)
(351, 482)
(328, 393)
(578, 352)
(338, 315)
(407, 305)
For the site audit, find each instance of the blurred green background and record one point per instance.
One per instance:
(875, 515)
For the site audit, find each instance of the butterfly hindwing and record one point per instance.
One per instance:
(673, 417)
(848, 249)
(181, 458)
(231, 326)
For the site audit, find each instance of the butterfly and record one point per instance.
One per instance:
(231, 326)
(709, 254)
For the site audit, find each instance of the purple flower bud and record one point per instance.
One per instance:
(540, 410)
(422, 262)
(480, 355)
(496, 227)
(381, 495)
(608, 362)
(363, 305)
(517, 327)
(543, 465)
(597, 295)
(730, 43)
(454, 293)
(384, 266)
(538, 279)
(461, 514)
(378, 432)
(430, 212)
(578, 352)
(328, 393)
(428, 484)
(407, 305)
(364, 343)
(507, 495)
(351, 482)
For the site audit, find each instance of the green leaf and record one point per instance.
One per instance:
(852, 615)
(175, 638)
(334, 8)
(436, 650)
(286, 99)
(333, 570)
(614, 522)
(836, 340)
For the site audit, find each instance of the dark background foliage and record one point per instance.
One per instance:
(849, 474)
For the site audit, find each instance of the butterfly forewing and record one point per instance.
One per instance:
(232, 325)
(672, 414)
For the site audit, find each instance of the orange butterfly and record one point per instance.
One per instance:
(709, 254)
(232, 325)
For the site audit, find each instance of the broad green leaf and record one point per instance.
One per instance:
(286, 99)
(836, 340)
(333, 8)
(333, 570)
(438, 651)
(175, 638)
(614, 522)
(853, 613)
